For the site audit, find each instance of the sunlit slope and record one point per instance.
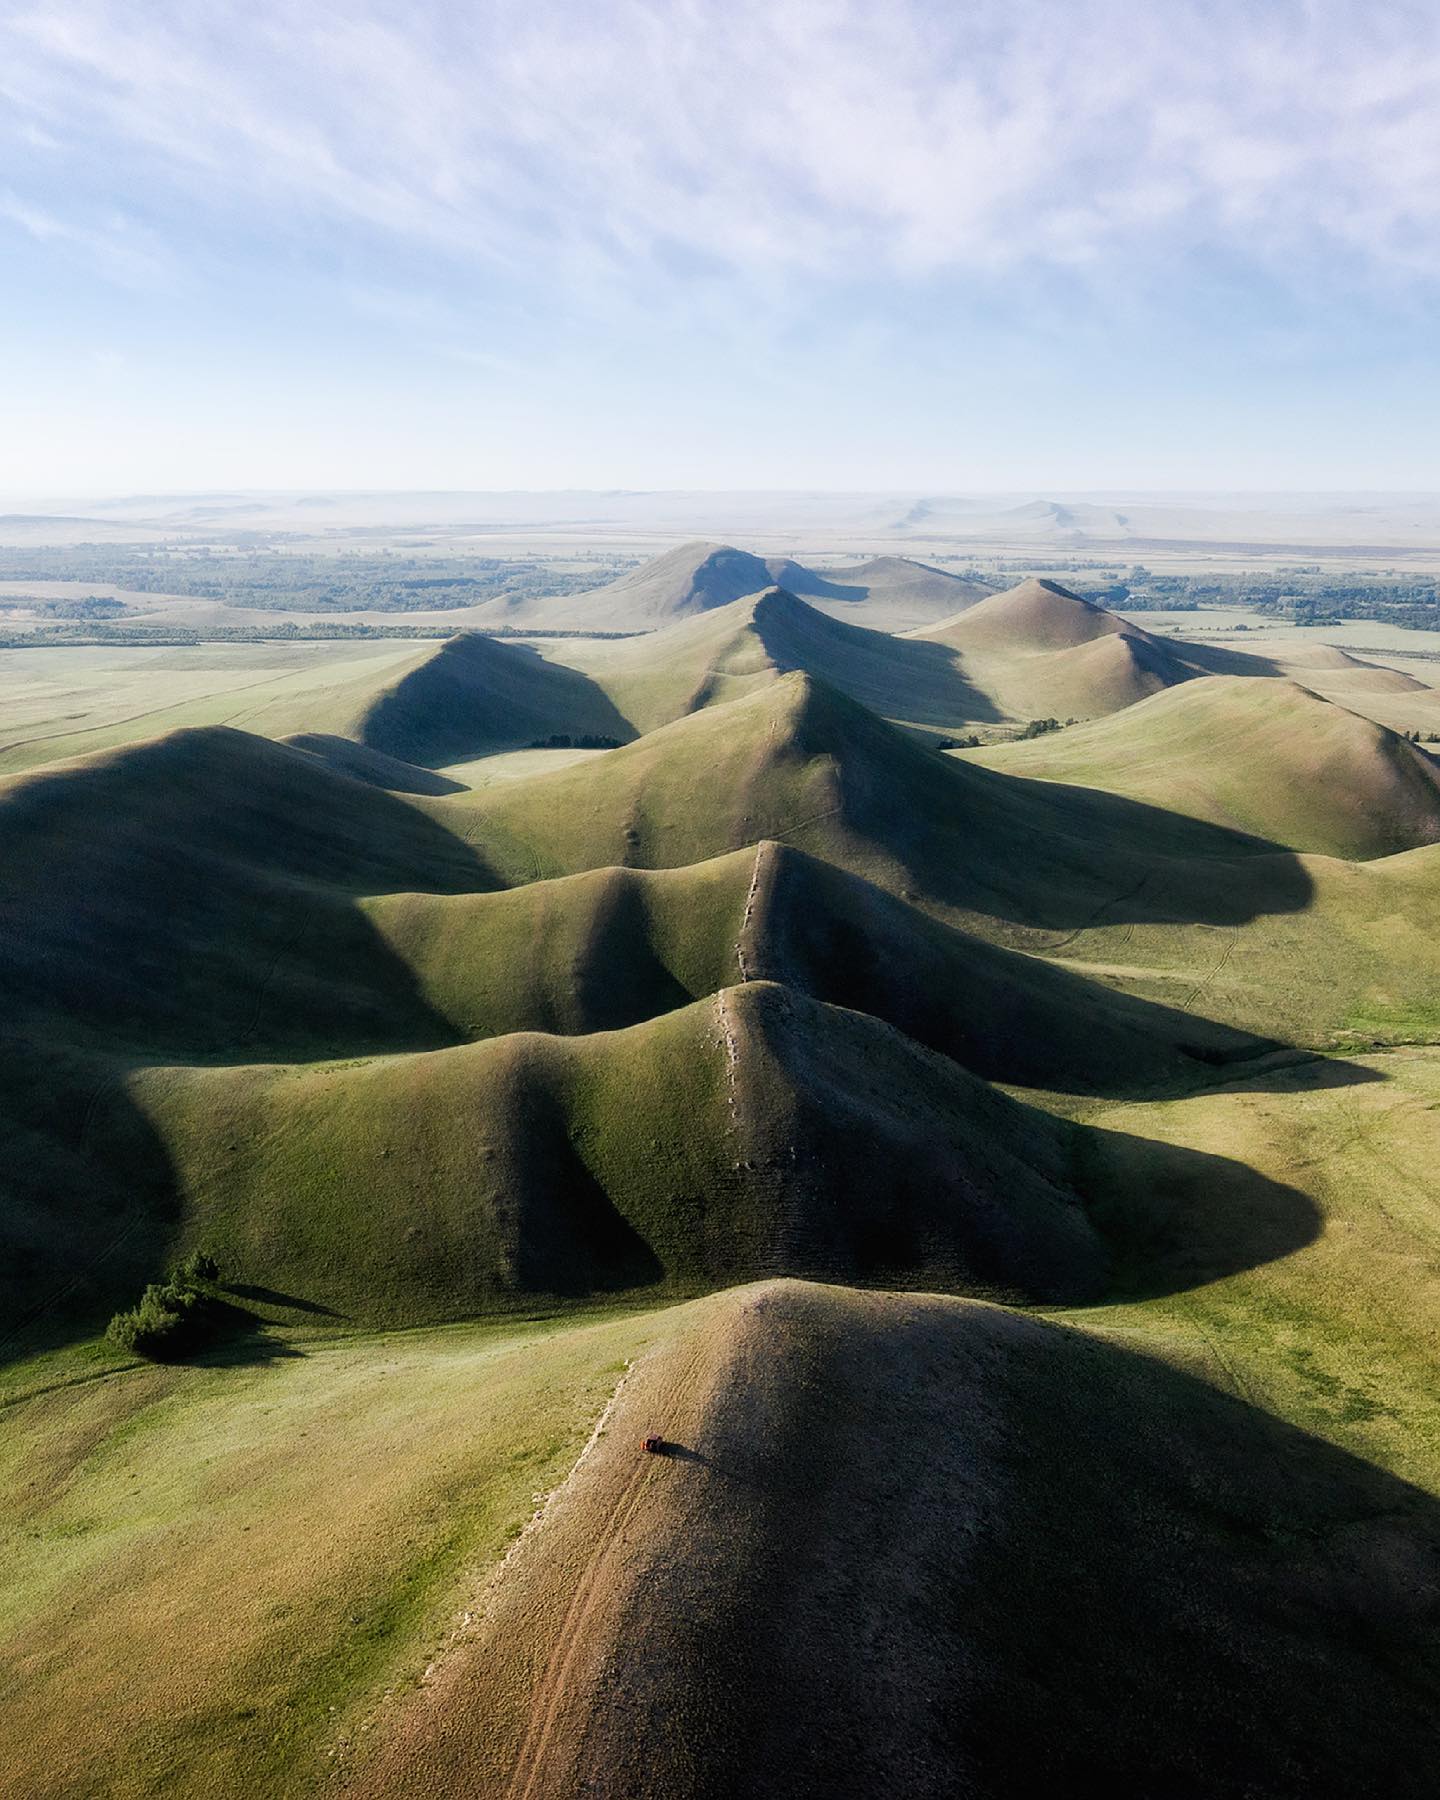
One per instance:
(1342, 1334)
(903, 1513)
(1040, 651)
(1267, 757)
(733, 650)
(1389, 696)
(889, 593)
(449, 701)
(906, 1517)
(754, 1132)
(801, 763)
(1035, 618)
(692, 578)
(1196, 916)
(886, 593)
(210, 1573)
(614, 946)
(63, 703)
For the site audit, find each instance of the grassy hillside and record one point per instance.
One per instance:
(798, 762)
(751, 1133)
(888, 593)
(599, 1051)
(451, 701)
(1267, 757)
(870, 1504)
(1040, 651)
(63, 703)
(885, 593)
(692, 578)
(735, 649)
(615, 946)
(199, 892)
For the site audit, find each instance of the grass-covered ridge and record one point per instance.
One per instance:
(932, 1149)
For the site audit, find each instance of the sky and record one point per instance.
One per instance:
(1031, 244)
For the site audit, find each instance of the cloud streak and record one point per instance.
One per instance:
(690, 139)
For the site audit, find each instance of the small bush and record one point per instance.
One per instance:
(199, 1265)
(173, 1315)
(1039, 727)
(562, 740)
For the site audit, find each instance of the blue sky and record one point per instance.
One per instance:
(700, 244)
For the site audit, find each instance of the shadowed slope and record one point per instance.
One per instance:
(799, 762)
(755, 1132)
(451, 701)
(888, 593)
(373, 767)
(1267, 757)
(735, 649)
(903, 1515)
(615, 946)
(199, 892)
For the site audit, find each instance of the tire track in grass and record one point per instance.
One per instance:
(1205, 980)
(551, 1691)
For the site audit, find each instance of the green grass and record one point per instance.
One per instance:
(403, 1034)
(1266, 757)
(217, 1566)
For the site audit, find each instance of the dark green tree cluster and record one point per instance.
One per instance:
(174, 1315)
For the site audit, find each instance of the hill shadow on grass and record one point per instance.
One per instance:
(1001, 1014)
(1176, 1218)
(1063, 860)
(1181, 1595)
(373, 767)
(89, 1201)
(913, 679)
(477, 693)
(199, 896)
(912, 1547)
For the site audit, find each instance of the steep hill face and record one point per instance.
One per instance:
(613, 947)
(692, 578)
(869, 1504)
(754, 1132)
(887, 593)
(452, 701)
(1040, 651)
(1268, 757)
(200, 891)
(1033, 618)
(732, 651)
(799, 762)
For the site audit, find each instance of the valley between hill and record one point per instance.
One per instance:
(1001, 1174)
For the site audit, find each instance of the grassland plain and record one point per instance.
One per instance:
(404, 1032)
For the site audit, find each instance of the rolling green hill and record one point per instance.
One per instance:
(871, 1502)
(1002, 1179)
(888, 593)
(751, 1133)
(732, 650)
(1267, 757)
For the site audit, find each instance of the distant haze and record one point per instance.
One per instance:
(1126, 527)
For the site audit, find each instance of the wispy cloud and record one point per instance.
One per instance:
(805, 138)
(114, 246)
